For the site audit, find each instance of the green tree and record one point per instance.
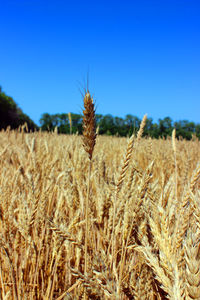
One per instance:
(120, 127)
(185, 129)
(149, 128)
(11, 115)
(132, 123)
(76, 123)
(46, 122)
(197, 130)
(106, 125)
(98, 119)
(64, 124)
(165, 127)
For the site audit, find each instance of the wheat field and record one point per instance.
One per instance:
(143, 219)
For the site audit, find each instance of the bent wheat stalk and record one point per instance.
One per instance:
(121, 177)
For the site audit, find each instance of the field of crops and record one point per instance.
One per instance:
(143, 218)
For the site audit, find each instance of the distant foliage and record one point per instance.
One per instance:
(11, 115)
(61, 121)
(109, 125)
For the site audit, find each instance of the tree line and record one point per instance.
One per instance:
(110, 125)
(66, 123)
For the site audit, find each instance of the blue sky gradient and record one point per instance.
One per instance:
(142, 56)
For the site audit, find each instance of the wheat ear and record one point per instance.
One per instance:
(89, 140)
(129, 151)
(192, 265)
(89, 125)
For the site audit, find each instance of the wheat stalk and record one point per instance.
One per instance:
(175, 162)
(121, 178)
(70, 122)
(89, 140)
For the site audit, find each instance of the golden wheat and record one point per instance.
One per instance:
(43, 192)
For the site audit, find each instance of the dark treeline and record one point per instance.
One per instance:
(11, 115)
(109, 125)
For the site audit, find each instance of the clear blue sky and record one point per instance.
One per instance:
(143, 56)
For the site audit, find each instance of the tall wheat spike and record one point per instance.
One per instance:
(89, 140)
